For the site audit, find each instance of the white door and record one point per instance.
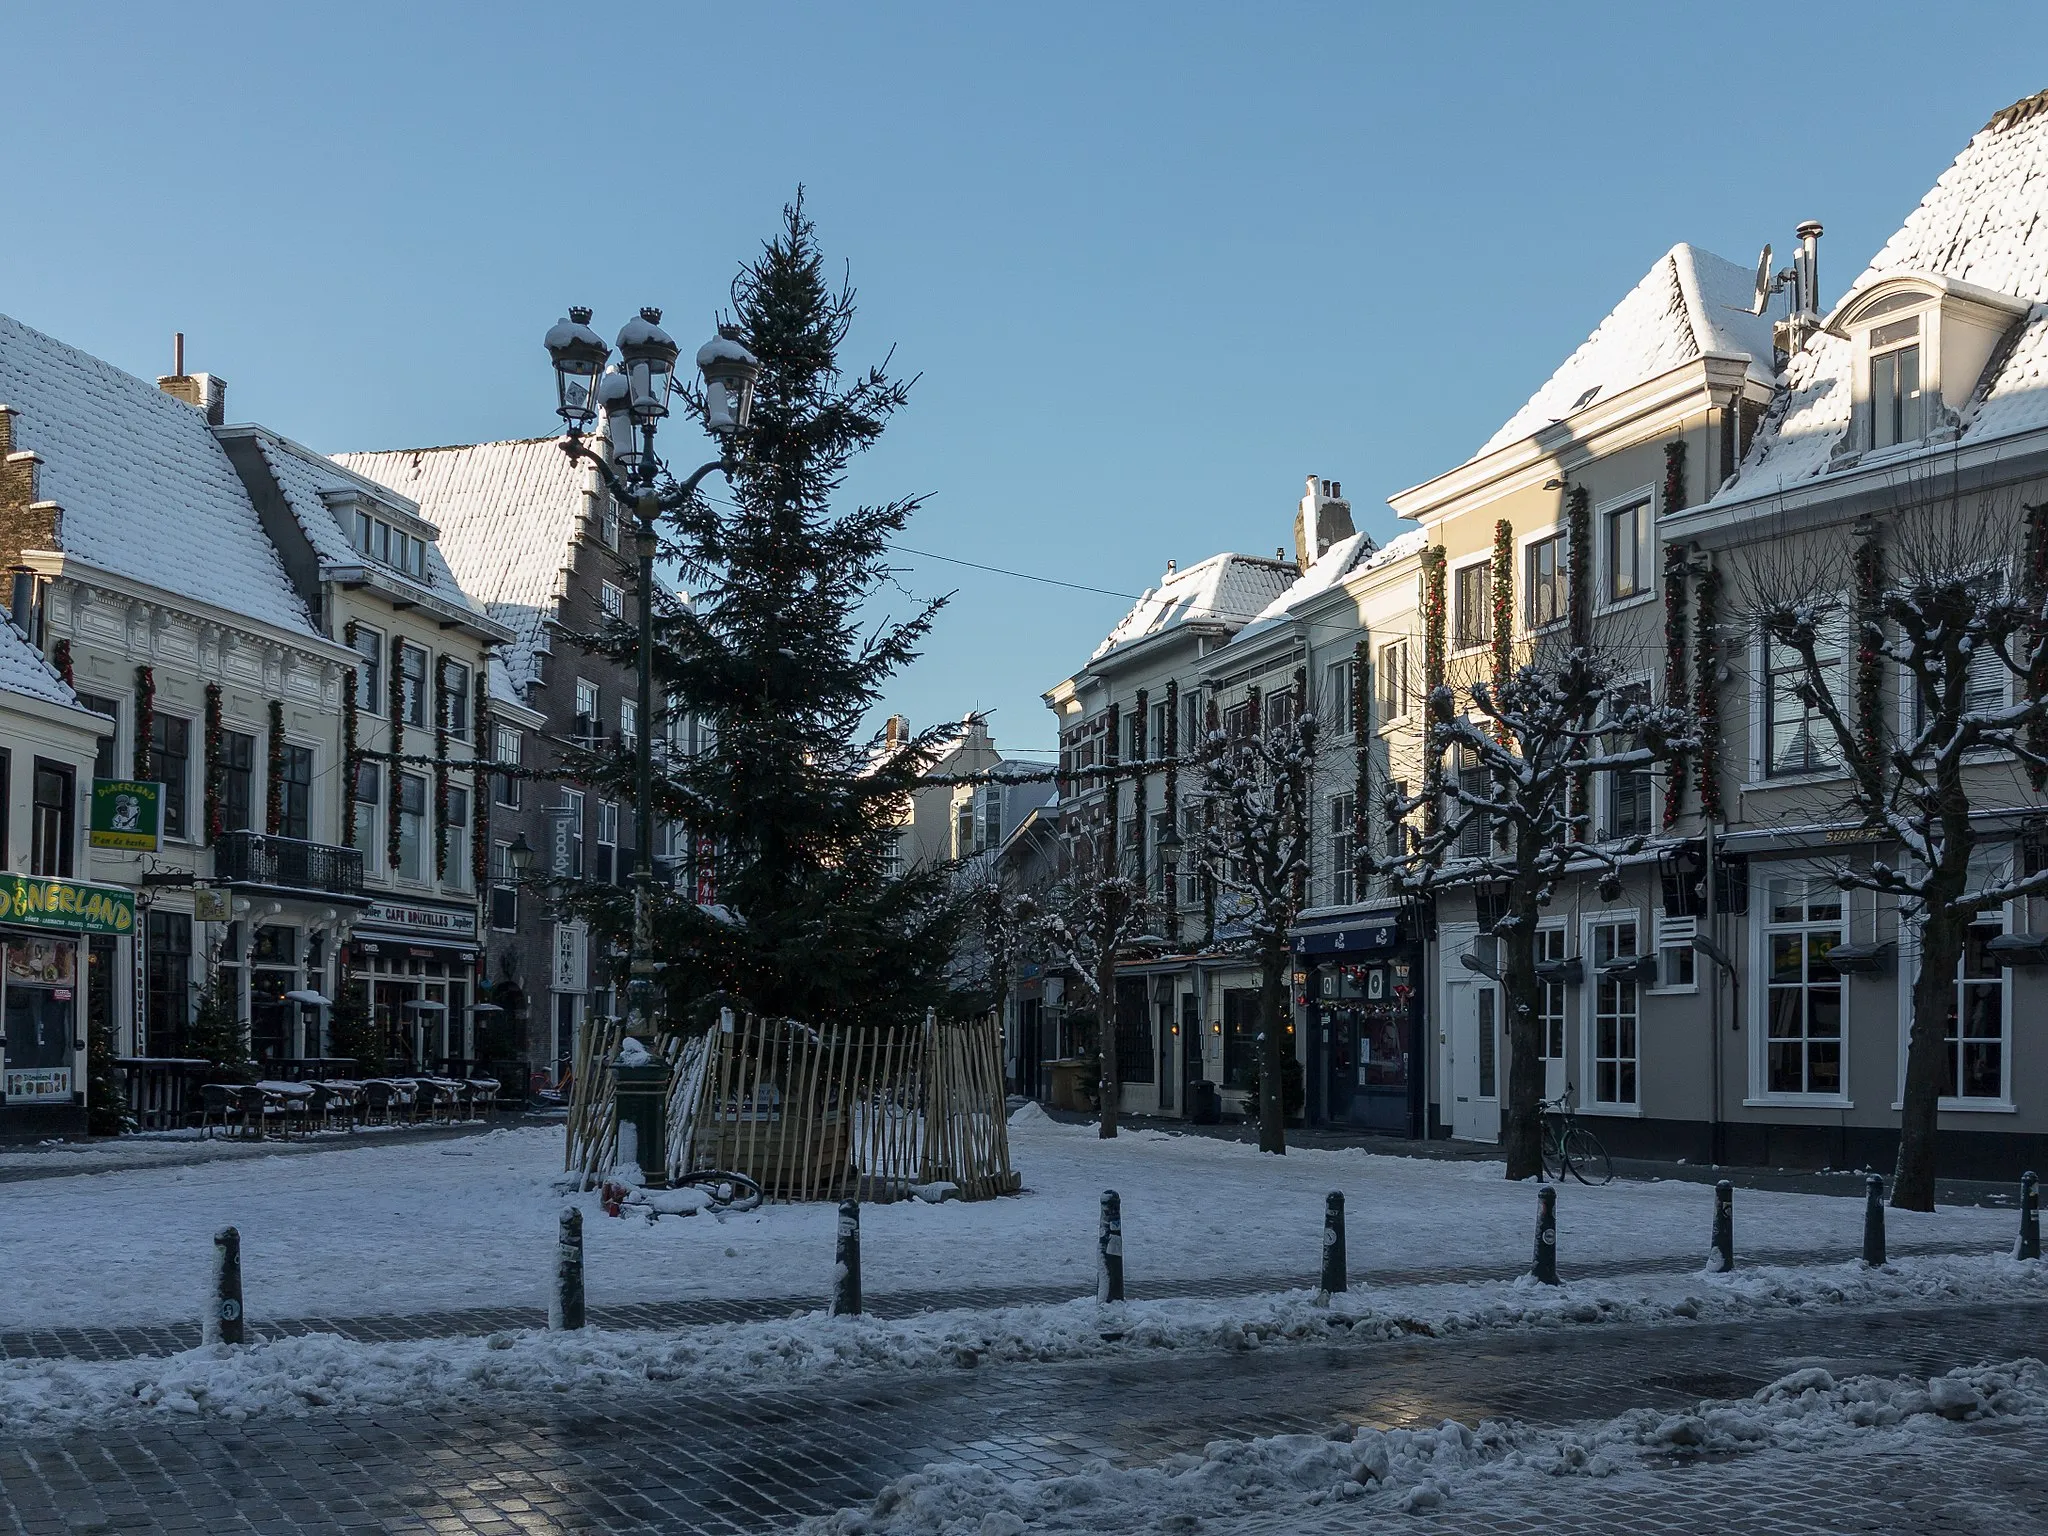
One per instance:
(1476, 1064)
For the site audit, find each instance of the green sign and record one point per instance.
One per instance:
(126, 814)
(65, 904)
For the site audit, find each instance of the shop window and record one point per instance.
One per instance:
(1976, 1031)
(1240, 1037)
(170, 755)
(237, 780)
(1803, 992)
(53, 828)
(1616, 1010)
(1133, 1031)
(167, 982)
(1550, 1018)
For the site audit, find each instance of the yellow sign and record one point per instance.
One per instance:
(63, 904)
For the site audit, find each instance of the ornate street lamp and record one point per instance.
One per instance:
(579, 355)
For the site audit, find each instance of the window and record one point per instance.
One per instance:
(370, 674)
(1134, 1054)
(504, 889)
(456, 829)
(989, 808)
(6, 799)
(1803, 993)
(1343, 882)
(629, 723)
(588, 725)
(412, 826)
(170, 748)
(1473, 623)
(1337, 698)
(1677, 962)
(51, 830)
(608, 866)
(1393, 680)
(168, 982)
(963, 829)
(507, 784)
(1975, 1035)
(1473, 836)
(1237, 720)
(612, 599)
(1629, 811)
(1799, 736)
(1896, 414)
(1487, 1001)
(1192, 732)
(295, 793)
(104, 766)
(380, 541)
(1396, 845)
(364, 525)
(1544, 582)
(1160, 716)
(1984, 688)
(412, 683)
(1550, 1017)
(568, 858)
(892, 856)
(237, 780)
(1191, 855)
(368, 791)
(455, 699)
(1615, 1006)
(1625, 547)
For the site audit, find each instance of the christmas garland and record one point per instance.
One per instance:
(441, 701)
(1171, 746)
(63, 658)
(1503, 616)
(216, 821)
(395, 704)
(1674, 659)
(1361, 768)
(273, 799)
(1674, 475)
(145, 720)
(2037, 637)
(1869, 696)
(1139, 785)
(349, 632)
(479, 796)
(1579, 590)
(1706, 696)
(1432, 675)
(1112, 729)
(1215, 723)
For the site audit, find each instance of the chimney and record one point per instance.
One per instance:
(1808, 262)
(1323, 519)
(205, 392)
(21, 603)
(895, 731)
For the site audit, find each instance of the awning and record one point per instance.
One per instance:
(1354, 936)
(307, 995)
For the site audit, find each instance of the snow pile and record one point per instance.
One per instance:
(1412, 1471)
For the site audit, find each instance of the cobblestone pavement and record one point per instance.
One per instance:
(132, 1342)
(667, 1459)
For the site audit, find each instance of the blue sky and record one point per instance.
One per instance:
(1154, 262)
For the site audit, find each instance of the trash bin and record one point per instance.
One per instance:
(643, 1104)
(1205, 1104)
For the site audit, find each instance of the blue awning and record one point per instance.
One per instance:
(1361, 937)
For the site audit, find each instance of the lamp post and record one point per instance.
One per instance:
(633, 398)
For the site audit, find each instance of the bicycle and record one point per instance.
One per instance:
(1568, 1147)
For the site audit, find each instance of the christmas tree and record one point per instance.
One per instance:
(216, 1033)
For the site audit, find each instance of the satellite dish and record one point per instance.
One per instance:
(1763, 281)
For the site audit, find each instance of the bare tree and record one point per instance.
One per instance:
(1084, 921)
(1255, 848)
(1512, 814)
(1919, 659)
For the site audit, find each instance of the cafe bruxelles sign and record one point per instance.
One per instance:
(31, 903)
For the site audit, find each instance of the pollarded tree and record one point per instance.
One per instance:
(1510, 814)
(1917, 659)
(1255, 785)
(1090, 916)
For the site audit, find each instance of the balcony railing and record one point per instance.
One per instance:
(251, 858)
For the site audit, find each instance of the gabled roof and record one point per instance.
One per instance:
(23, 670)
(1328, 568)
(148, 492)
(1984, 223)
(1229, 590)
(1691, 304)
(508, 515)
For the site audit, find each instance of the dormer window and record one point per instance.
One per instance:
(1920, 347)
(1895, 414)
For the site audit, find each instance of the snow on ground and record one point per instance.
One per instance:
(1241, 1482)
(322, 1372)
(421, 1226)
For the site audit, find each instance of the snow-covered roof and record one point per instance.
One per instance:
(147, 490)
(1691, 304)
(508, 515)
(1985, 222)
(1223, 589)
(23, 670)
(1328, 568)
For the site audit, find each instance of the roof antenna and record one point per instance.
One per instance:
(178, 354)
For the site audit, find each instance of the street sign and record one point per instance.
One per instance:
(127, 813)
(32, 903)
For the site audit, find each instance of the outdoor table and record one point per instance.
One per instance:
(284, 1090)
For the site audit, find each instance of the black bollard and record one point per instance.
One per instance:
(225, 1326)
(1335, 1278)
(565, 1305)
(1545, 1267)
(1873, 1222)
(1724, 1227)
(1109, 1249)
(2030, 1217)
(846, 1262)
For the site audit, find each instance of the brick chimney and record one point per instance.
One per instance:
(1323, 519)
(205, 392)
(896, 731)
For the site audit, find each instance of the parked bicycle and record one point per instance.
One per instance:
(1568, 1147)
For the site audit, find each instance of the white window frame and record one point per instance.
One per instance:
(1524, 543)
(1389, 719)
(1588, 1101)
(611, 599)
(1760, 925)
(451, 669)
(1603, 789)
(1908, 968)
(1676, 933)
(1546, 931)
(1760, 774)
(1339, 692)
(1457, 645)
(589, 725)
(1342, 884)
(458, 876)
(1646, 549)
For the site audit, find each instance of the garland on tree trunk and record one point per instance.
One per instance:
(145, 720)
(215, 819)
(1674, 660)
(395, 704)
(1433, 578)
(1171, 746)
(1139, 785)
(62, 652)
(480, 794)
(1579, 536)
(1674, 475)
(348, 742)
(1869, 695)
(1706, 696)
(1503, 616)
(1302, 812)
(1362, 864)
(1215, 724)
(2037, 636)
(273, 796)
(1111, 753)
(441, 768)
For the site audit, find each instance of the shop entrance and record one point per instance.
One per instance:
(1371, 1054)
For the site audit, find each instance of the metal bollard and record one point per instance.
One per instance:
(565, 1306)
(224, 1326)
(846, 1262)
(2030, 1217)
(1724, 1228)
(1109, 1249)
(1545, 1267)
(1335, 1276)
(1873, 1222)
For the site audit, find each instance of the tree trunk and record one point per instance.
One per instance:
(1521, 1124)
(1934, 995)
(1274, 1048)
(1109, 1083)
